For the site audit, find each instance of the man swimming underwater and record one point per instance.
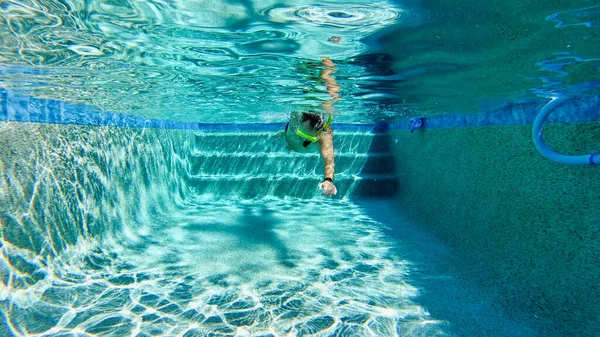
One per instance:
(310, 132)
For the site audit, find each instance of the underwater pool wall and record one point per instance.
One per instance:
(63, 185)
(72, 175)
(520, 223)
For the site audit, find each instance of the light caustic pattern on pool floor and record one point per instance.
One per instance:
(216, 268)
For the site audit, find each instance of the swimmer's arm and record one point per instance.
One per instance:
(333, 88)
(326, 141)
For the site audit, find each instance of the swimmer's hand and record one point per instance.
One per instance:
(328, 188)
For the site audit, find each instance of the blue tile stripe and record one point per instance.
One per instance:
(20, 108)
(578, 109)
(4, 105)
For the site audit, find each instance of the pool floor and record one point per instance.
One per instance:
(260, 268)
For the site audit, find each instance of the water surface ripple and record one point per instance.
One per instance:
(200, 61)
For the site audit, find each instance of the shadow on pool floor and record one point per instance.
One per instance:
(446, 290)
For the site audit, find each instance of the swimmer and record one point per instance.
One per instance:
(311, 132)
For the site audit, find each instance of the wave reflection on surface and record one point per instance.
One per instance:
(201, 61)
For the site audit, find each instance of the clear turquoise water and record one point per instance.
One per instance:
(246, 61)
(132, 232)
(115, 231)
(125, 237)
(200, 61)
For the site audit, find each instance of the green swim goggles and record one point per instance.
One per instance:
(310, 138)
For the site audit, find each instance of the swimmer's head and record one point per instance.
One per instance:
(312, 121)
(335, 39)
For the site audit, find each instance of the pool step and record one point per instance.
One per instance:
(267, 142)
(249, 165)
(294, 186)
(287, 162)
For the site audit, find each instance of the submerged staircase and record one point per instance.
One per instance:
(257, 164)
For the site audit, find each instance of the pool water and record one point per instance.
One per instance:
(259, 268)
(156, 251)
(146, 188)
(247, 269)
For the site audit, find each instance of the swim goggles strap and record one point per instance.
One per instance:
(328, 124)
(312, 138)
(303, 134)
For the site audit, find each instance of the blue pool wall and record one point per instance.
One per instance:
(22, 108)
(519, 223)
